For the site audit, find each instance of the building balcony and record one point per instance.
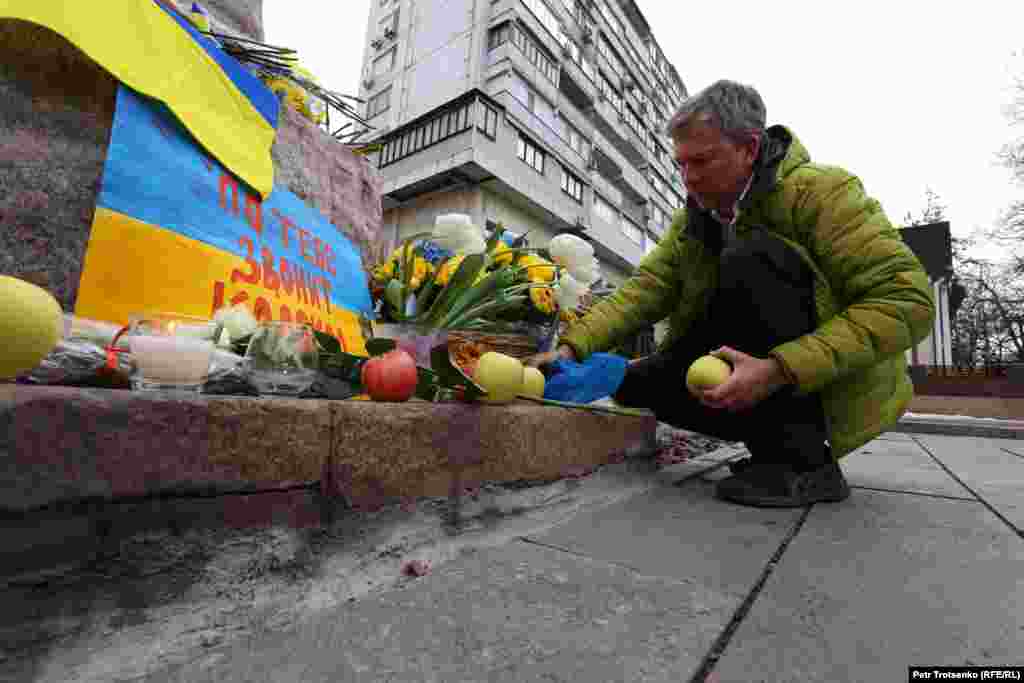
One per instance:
(576, 86)
(617, 169)
(540, 131)
(604, 187)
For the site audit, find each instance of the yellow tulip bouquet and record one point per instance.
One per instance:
(452, 278)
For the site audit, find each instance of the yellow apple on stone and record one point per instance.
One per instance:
(501, 376)
(31, 324)
(533, 383)
(707, 372)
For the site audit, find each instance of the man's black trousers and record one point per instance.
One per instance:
(765, 297)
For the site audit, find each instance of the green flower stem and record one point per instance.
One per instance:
(488, 308)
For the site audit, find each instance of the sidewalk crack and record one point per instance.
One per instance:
(722, 642)
(1019, 455)
(944, 496)
(977, 496)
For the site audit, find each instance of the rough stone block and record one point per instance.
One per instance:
(68, 444)
(328, 176)
(422, 448)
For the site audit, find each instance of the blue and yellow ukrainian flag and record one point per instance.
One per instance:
(152, 49)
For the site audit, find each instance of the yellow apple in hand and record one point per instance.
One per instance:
(707, 372)
(533, 382)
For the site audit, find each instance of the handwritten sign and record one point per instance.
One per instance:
(174, 231)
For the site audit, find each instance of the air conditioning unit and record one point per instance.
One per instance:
(367, 83)
(377, 43)
(566, 50)
(643, 107)
(389, 34)
(587, 34)
(580, 224)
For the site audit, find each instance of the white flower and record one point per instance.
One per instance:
(238, 322)
(455, 232)
(575, 254)
(568, 292)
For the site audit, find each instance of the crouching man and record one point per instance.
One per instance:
(787, 270)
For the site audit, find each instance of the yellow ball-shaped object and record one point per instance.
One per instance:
(533, 382)
(707, 372)
(31, 324)
(500, 376)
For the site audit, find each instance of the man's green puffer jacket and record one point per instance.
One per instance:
(874, 300)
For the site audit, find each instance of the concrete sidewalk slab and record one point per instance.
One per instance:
(997, 476)
(899, 466)
(682, 532)
(518, 613)
(881, 582)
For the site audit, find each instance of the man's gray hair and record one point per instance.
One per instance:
(736, 109)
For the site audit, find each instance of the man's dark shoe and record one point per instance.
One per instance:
(770, 485)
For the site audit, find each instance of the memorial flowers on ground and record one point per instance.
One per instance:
(454, 278)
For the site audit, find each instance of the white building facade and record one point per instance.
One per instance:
(545, 115)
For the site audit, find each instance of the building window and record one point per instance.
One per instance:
(632, 231)
(531, 101)
(659, 220)
(499, 35)
(379, 103)
(610, 92)
(610, 17)
(576, 140)
(534, 54)
(605, 211)
(634, 122)
(446, 124)
(385, 62)
(488, 122)
(612, 57)
(572, 186)
(546, 18)
(530, 153)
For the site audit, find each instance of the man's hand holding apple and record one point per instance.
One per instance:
(752, 380)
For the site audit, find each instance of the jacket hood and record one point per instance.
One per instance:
(780, 154)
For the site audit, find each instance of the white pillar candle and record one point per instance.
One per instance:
(172, 360)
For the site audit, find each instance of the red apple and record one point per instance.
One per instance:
(390, 377)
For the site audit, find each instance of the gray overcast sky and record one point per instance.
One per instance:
(907, 94)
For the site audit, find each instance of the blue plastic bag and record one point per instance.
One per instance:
(599, 376)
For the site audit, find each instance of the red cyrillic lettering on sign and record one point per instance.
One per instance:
(271, 280)
(240, 298)
(286, 226)
(262, 310)
(286, 314)
(228, 183)
(305, 241)
(326, 284)
(253, 276)
(218, 297)
(314, 290)
(328, 258)
(300, 316)
(254, 214)
(300, 285)
(287, 276)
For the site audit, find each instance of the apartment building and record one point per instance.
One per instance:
(546, 115)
